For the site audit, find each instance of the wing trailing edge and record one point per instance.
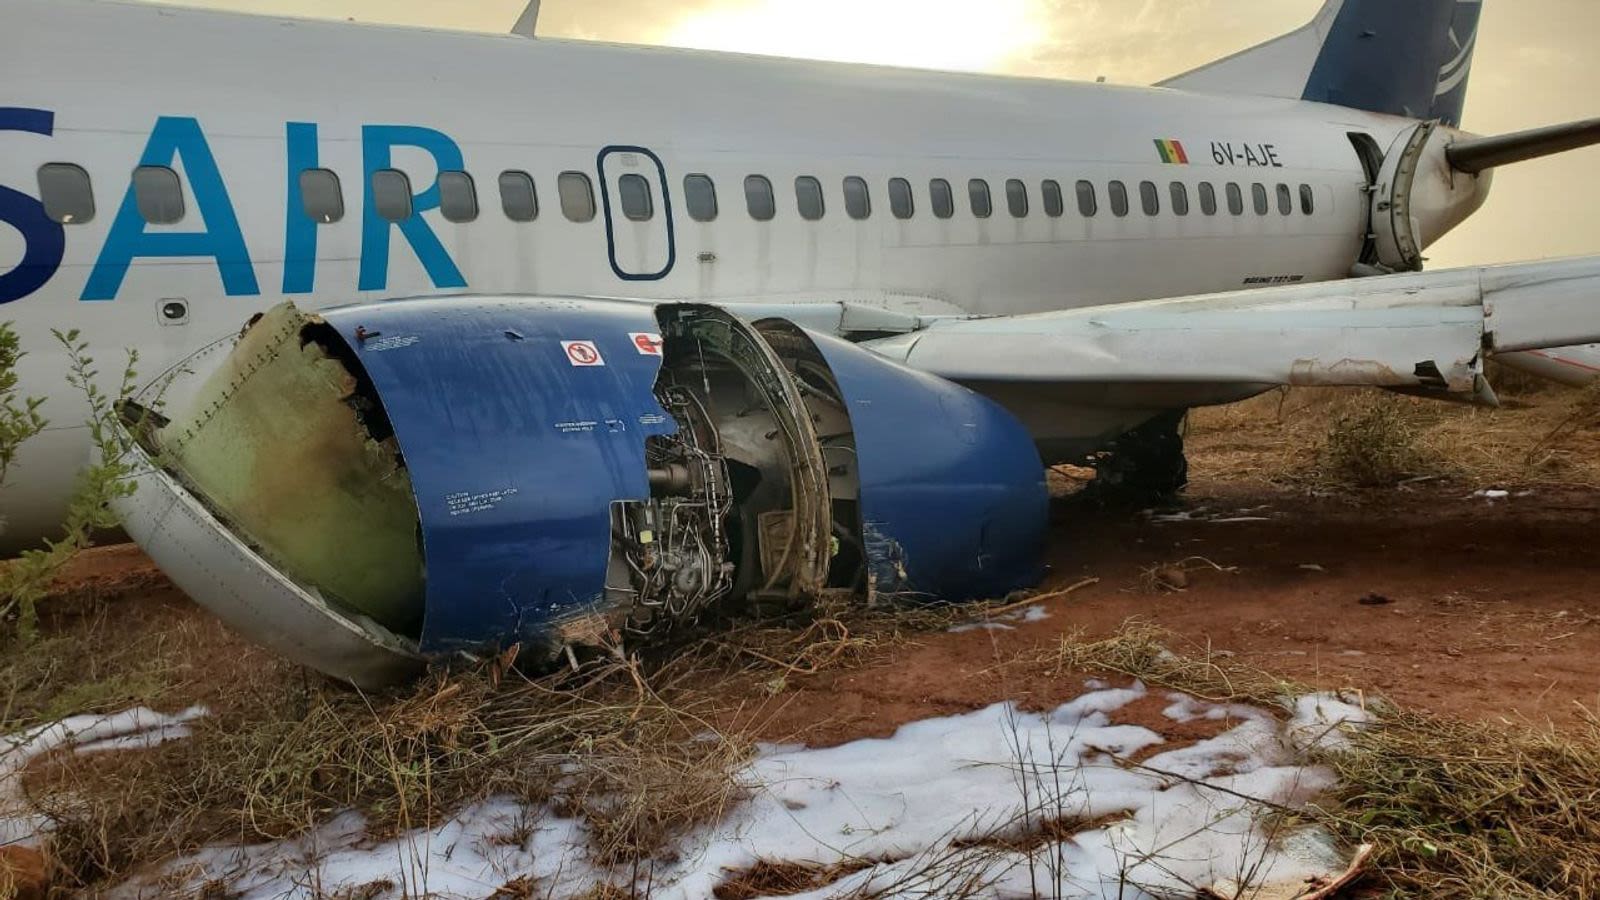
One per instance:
(1427, 332)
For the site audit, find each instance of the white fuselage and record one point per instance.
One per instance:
(260, 100)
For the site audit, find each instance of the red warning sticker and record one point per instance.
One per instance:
(648, 343)
(582, 353)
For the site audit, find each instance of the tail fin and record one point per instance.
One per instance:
(1402, 57)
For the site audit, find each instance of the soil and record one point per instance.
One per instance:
(1437, 599)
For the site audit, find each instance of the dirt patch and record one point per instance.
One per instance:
(1492, 610)
(23, 874)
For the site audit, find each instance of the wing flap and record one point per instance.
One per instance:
(1539, 306)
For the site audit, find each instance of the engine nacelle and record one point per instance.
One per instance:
(379, 485)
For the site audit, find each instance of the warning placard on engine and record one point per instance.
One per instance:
(582, 353)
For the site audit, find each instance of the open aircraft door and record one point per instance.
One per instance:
(1394, 227)
(638, 208)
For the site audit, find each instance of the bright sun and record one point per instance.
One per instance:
(937, 34)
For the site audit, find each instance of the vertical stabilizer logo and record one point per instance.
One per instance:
(1456, 70)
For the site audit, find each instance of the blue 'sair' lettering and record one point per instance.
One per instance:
(300, 230)
(376, 143)
(174, 137)
(44, 241)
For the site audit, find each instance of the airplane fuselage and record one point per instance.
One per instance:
(659, 174)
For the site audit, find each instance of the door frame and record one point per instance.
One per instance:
(666, 212)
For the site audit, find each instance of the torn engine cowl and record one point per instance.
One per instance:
(379, 485)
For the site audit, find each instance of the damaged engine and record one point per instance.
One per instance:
(377, 486)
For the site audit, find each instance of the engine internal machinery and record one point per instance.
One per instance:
(744, 503)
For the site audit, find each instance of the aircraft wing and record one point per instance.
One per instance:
(1428, 331)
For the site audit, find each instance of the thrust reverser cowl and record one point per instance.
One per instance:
(386, 484)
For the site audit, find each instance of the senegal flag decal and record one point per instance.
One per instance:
(1172, 153)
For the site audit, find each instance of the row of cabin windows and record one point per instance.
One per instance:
(68, 198)
(762, 205)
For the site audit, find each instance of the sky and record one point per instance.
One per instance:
(1530, 68)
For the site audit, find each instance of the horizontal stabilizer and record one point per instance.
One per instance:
(1476, 155)
(1428, 332)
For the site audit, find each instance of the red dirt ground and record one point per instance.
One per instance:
(1493, 611)
(1492, 608)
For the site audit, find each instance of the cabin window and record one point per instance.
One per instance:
(158, 194)
(1119, 198)
(391, 194)
(857, 198)
(1235, 199)
(320, 195)
(577, 196)
(1149, 198)
(1180, 198)
(901, 202)
(518, 198)
(1308, 200)
(1258, 193)
(1285, 200)
(944, 199)
(66, 193)
(758, 198)
(1208, 198)
(1088, 203)
(978, 193)
(458, 197)
(1053, 204)
(808, 194)
(700, 195)
(638, 201)
(1017, 198)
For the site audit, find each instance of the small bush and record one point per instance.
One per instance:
(19, 416)
(26, 580)
(1373, 443)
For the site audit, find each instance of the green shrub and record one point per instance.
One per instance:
(27, 579)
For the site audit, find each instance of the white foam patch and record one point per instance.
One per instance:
(979, 626)
(136, 728)
(912, 804)
(1326, 721)
(1026, 615)
(472, 855)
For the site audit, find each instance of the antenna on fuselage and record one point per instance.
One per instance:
(528, 21)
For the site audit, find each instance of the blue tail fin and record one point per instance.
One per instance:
(1402, 57)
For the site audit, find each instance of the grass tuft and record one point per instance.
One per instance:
(1374, 442)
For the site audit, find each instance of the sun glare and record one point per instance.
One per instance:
(934, 34)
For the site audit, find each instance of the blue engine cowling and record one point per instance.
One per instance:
(586, 468)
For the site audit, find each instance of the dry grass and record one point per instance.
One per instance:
(1325, 439)
(1453, 809)
(642, 750)
(637, 761)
